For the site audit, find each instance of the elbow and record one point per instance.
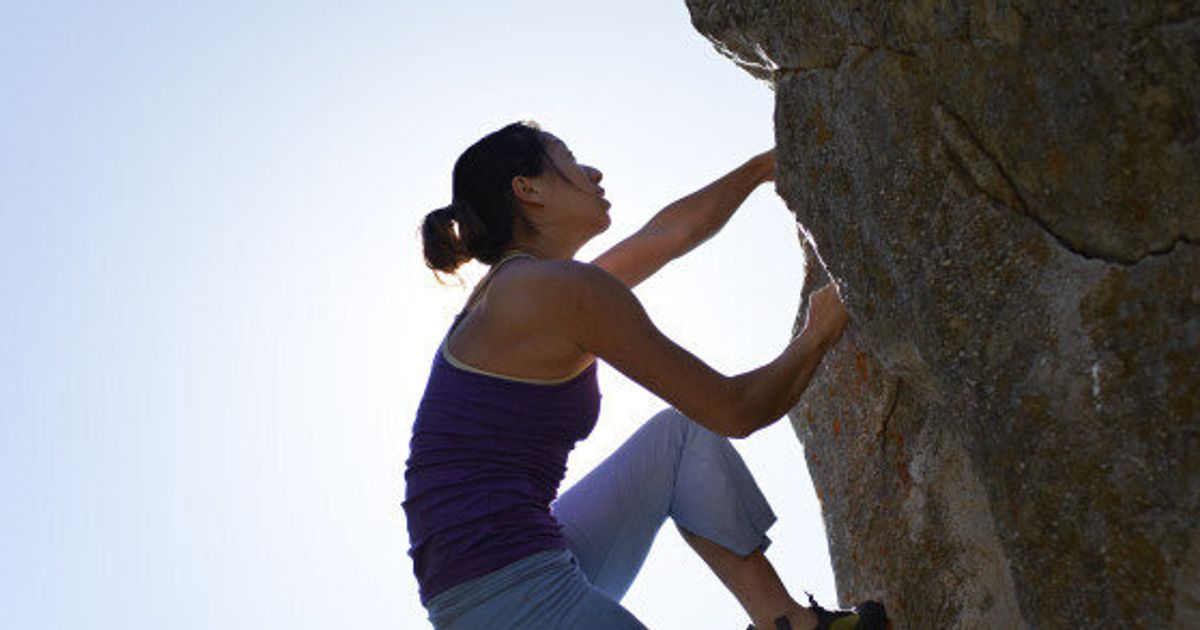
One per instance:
(679, 234)
(721, 421)
(739, 433)
(749, 410)
(731, 428)
(743, 426)
(736, 418)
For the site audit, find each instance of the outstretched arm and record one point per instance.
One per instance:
(686, 223)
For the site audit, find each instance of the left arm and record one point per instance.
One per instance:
(686, 223)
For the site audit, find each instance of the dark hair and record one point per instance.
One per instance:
(482, 203)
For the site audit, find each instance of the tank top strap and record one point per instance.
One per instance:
(482, 286)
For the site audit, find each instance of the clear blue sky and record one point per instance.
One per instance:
(215, 324)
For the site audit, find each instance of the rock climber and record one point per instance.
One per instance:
(513, 387)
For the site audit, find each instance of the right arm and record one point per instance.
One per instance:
(682, 226)
(601, 316)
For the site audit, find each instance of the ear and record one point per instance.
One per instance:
(528, 190)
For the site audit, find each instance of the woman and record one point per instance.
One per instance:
(513, 387)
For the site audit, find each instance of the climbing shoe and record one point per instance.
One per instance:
(868, 615)
(780, 624)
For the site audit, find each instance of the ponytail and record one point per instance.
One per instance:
(479, 223)
(444, 250)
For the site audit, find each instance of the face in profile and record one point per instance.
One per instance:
(573, 191)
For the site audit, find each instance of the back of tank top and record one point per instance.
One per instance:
(486, 457)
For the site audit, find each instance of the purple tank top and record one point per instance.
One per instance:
(485, 460)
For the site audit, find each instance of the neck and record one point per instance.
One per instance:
(543, 248)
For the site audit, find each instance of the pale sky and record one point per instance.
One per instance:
(215, 324)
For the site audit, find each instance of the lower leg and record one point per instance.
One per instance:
(754, 582)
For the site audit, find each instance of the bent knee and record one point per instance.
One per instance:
(674, 420)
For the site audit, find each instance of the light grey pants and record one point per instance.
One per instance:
(670, 466)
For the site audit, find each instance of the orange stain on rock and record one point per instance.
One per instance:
(860, 364)
(904, 479)
(1056, 164)
(837, 427)
(823, 132)
(1140, 211)
(902, 472)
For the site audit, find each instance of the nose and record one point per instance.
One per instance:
(594, 174)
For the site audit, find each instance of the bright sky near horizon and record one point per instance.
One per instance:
(216, 324)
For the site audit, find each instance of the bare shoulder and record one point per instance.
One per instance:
(563, 302)
(561, 271)
(525, 323)
(557, 315)
(557, 283)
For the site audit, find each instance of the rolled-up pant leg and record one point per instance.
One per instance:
(670, 466)
(543, 591)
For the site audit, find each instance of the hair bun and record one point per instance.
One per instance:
(444, 250)
(479, 221)
(459, 209)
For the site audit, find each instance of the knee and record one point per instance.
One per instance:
(672, 421)
(669, 426)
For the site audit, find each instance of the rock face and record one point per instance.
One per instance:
(1008, 195)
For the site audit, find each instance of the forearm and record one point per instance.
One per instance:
(704, 212)
(770, 391)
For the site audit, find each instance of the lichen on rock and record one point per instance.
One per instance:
(1007, 194)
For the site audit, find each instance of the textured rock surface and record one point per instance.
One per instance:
(1008, 194)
